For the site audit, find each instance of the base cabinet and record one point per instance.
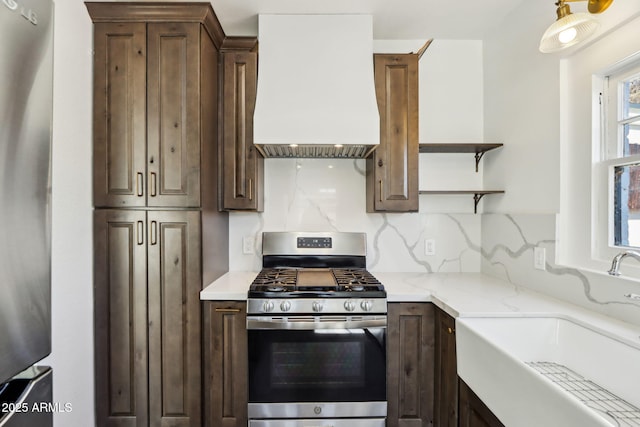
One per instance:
(226, 364)
(473, 411)
(445, 373)
(410, 351)
(147, 318)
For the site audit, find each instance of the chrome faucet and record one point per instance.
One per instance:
(615, 265)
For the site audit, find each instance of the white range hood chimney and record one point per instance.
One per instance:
(316, 93)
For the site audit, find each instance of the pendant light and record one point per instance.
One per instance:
(571, 28)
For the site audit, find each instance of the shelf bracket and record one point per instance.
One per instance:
(479, 155)
(476, 200)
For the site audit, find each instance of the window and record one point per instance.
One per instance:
(622, 147)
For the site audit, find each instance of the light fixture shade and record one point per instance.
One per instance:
(554, 40)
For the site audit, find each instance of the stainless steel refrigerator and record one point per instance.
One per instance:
(26, 100)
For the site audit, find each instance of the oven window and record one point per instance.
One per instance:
(317, 366)
(306, 364)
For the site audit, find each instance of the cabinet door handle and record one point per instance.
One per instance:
(140, 232)
(450, 330)
(139, 184)
(380, 182)
(154, 183)
(250, 189)
(154, 232)
(228, 310)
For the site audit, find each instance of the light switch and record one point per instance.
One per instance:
(430, 247)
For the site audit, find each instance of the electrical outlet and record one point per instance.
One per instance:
(247, 245)
(539, 258)
(430, 247)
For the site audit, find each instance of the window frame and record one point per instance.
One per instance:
(608, 154)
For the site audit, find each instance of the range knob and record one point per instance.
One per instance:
(285, 305)
(349, 305)
(366, 305)
(268, 306)
(317, 306)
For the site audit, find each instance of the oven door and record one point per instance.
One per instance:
(317, 366)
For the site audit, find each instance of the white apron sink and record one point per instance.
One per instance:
(549, 371)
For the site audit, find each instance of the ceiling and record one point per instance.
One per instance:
(392, 19)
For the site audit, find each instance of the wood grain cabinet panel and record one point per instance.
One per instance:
(473, 411)
(174, 285)
(147, 318)
(120, 293)
(446, 373)
(147, 114)
(119, 114)
(410, 350)
(242, 166)
(226, 368)
(173, 114)
(392, 169)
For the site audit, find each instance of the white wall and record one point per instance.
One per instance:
(72, 248)
(521, 106)
(451, 92)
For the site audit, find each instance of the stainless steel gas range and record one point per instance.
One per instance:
(316, 321)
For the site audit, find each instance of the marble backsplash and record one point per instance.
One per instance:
(508, 243)
(329, 195)
(321, 195)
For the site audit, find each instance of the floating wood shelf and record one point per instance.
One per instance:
(477, 149)
(477, 194)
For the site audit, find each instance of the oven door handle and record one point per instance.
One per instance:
(314, 322)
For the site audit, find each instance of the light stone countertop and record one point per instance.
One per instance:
(458, 294)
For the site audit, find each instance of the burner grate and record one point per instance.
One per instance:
(590, 393)
(354, 278)
(276, 279)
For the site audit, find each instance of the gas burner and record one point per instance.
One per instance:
(277, 278)
(355, 279)
(300, 269)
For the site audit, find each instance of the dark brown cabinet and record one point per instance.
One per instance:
(147, 317)
(226, 367)
(473, 411)
(392, 169)
(446, 374)
(149, 78)
(410, 351)
(158, 235)
(242, 166)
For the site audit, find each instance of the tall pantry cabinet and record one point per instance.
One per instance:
(158, 234)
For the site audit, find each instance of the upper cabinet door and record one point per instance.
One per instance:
(119, 114)
(392, 170)
(147, 115)
(242, 164)
(173, 115)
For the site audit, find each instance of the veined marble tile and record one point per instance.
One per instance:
(329, 195)
(508, 243)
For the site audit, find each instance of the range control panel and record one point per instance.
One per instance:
(315, 242)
